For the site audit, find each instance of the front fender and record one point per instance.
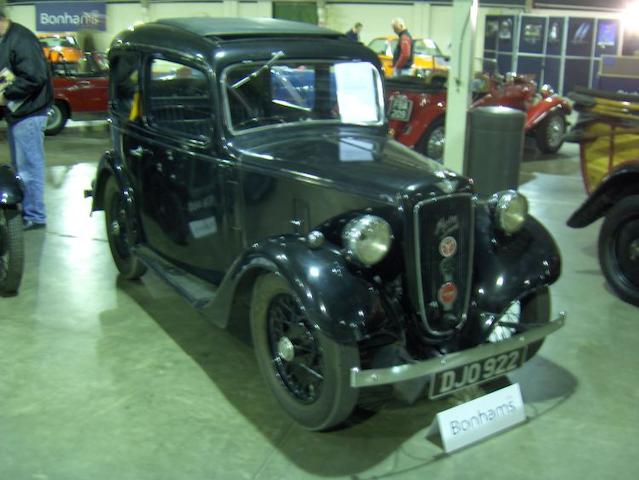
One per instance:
(620, 183)
(339, 302)
(107, 167)
(537, 113)
(11, 191)
(507, 268)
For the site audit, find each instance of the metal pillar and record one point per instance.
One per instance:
(459, 82)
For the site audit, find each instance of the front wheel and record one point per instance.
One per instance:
(433, 141)
(307, 372)
(118, 227)
(619, 249)
(530, 311)
(11, 250)
(550, 133)
(56, 118)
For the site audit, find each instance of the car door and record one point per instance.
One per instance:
(180, 182)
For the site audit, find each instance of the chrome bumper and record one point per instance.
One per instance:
(400, 373)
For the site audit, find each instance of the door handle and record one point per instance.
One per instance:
(139, 152)
(84, 83)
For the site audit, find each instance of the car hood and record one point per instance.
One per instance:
(375, 165)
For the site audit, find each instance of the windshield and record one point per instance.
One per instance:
(52, 42)
(423, 47)
(264, 95)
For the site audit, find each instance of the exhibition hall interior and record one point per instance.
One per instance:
(364, 239)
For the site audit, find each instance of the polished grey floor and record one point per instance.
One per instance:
(102, 378)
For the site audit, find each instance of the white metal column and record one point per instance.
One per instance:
(459, 82)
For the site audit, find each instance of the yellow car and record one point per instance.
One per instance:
(428, 58)
(60, 47)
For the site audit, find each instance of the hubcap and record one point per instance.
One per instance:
(626, 253)
(555, 131)
(286, 349)
(436, 142)
(53, 117)
(634, 250)
(115, 228)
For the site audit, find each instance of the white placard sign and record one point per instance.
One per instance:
(484, 416)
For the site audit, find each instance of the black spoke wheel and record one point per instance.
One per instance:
(118, 227)
(530, 311)
(550, 133)
(11, 250)
(307, 372)
(619, 249)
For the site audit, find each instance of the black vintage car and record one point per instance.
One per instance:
(257, 179)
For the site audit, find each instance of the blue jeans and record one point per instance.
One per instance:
(26, 142)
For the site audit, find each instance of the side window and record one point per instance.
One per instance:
(125, 70)
(179, 100)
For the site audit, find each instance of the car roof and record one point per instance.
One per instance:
(246, 27)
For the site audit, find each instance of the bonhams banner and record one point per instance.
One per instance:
(70, 16)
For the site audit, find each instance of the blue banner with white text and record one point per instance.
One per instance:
(70, 16)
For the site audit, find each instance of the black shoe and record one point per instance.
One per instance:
(29, 225)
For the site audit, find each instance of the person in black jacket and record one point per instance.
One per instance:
(354, 31)
(26, 98)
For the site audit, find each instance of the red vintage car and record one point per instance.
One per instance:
(80, 91)
(417, 110)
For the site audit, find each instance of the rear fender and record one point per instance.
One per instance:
(11, 189)
(344, 305)
(537, 113)
(622, 182)
(507, 268)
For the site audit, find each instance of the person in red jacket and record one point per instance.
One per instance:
(403, 54)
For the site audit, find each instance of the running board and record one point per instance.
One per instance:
(197, 292)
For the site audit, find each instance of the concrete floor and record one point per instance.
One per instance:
(101, 378)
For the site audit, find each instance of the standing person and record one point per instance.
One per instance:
(27, 99)
(353, 33)
(403, 54)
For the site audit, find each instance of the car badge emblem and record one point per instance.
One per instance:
(447, 294)
(448, 247)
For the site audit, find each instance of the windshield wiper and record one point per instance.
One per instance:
(276, 56)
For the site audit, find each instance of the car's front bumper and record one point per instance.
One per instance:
(400, 373)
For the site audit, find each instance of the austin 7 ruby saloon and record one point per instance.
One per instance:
(417, 110)
(258, 179)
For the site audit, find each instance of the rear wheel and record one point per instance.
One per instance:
(119, 228)
(619, 249)
(307, 372)
(11, 250)
(550, 133)
(433, 141)
(532, 310)
(56, 118)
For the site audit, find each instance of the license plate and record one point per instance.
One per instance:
(472, 373)
(400, 108)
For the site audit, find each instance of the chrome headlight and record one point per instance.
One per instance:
(546, 91)
(368, 239)
(510, 210)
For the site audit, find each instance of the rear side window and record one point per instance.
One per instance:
(179, 100)
(125, 92)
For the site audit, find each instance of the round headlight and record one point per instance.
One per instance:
(368, 239)
(511, 210)
(546, 90)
